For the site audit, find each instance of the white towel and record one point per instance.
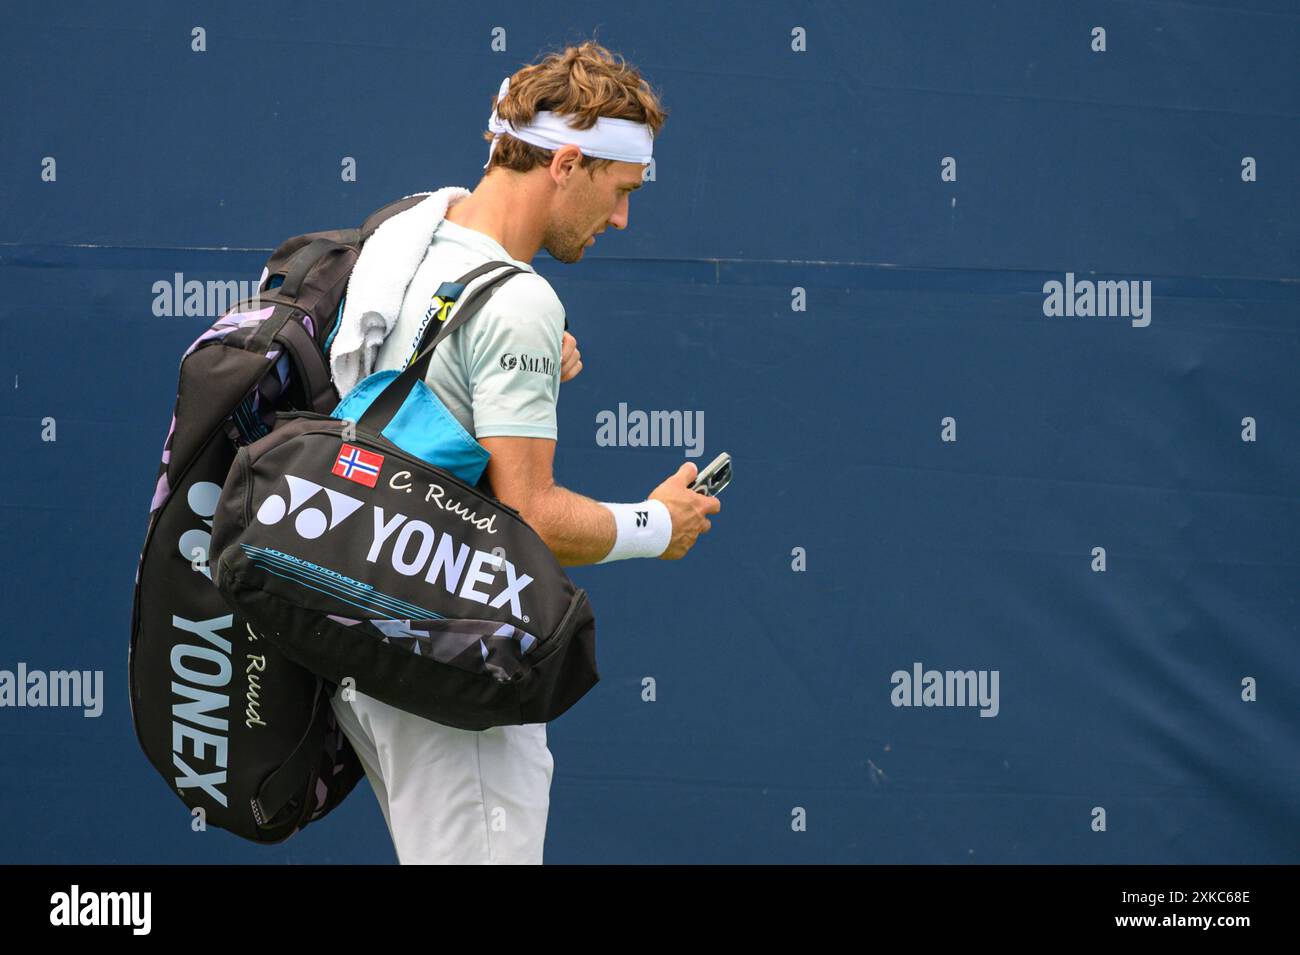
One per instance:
(378, 284)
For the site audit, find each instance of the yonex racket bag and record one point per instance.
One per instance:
(380, 571)
(235, 728)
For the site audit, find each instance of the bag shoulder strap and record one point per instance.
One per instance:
(289, 780)
(389, 401)
(384, 213)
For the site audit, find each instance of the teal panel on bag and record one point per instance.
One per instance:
(422, 426)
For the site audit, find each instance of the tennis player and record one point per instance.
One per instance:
(571, 136)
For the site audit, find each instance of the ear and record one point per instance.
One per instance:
(565, 163)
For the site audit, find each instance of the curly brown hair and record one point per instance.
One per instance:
(586, 82)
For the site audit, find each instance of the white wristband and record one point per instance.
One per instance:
(643, 530)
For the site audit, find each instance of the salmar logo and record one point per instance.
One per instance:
(521, 362)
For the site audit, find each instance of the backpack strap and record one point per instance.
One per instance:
(285, 783)
(312, 372)
(383, 214)
(303, 260)
(303, 352)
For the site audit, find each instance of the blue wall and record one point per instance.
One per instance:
(816, 169)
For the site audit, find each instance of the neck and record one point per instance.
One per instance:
(507, 207)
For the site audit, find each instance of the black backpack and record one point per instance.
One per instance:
(237, 729)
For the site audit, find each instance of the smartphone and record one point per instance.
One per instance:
(715, 477)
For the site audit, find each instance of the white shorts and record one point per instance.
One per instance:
(453, 796)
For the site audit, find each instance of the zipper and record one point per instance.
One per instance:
(562, 633)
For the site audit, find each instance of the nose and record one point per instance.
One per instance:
(619, 219)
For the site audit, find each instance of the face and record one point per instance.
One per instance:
(587, 205)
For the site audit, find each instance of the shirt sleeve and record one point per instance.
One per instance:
(514, 367)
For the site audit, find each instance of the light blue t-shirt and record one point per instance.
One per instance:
(499, 373)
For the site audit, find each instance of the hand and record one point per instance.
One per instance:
(570, 358)
(687, 508)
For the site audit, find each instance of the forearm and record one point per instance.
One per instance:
(577, 529)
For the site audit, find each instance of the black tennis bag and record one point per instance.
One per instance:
(385, 574)
(234, 727)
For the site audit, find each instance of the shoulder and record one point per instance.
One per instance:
(527, 298)
(529, 289)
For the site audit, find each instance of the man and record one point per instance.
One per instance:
(571, 136)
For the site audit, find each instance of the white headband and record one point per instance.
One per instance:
(619, 139)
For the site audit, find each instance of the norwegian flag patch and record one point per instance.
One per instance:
(358, 465)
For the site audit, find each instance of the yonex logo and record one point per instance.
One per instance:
(194, 544)
(312, 522)
(413, 546)
(463, 570)
(642, 518)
